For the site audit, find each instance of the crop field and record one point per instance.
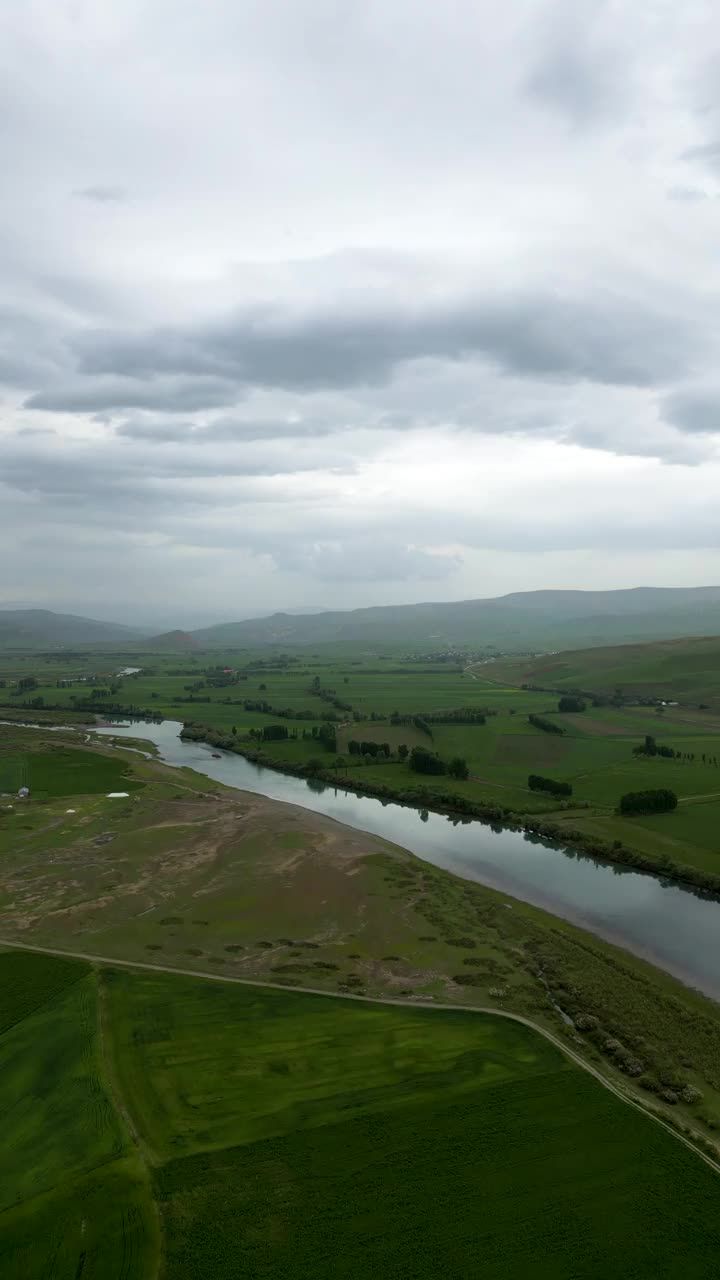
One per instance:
(74, 1200)
(279, 1134)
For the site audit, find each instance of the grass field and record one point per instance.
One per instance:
(287, 1135)
(686, 670)
(60, 771)
(74, 1198)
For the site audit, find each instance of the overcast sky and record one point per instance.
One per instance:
(316, 303)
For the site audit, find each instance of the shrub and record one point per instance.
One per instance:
(660, 801)
(689, 1093)
(460, 942)
(424, 761)
(538, 783)
(587, 1022)
(458, 768)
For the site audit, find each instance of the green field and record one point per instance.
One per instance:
(686, 670)
(61, 771)
(281, 1134)
(74, 1198)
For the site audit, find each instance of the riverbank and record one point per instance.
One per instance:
(453, 805)
(297, 898)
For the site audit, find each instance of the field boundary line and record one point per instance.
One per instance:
(113, 1088)
(383, 1000)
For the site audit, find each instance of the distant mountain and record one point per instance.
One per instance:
(528, 621)
(177, 641)
(42, 629)
(685, 670)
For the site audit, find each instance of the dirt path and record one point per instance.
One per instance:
(385, 1000)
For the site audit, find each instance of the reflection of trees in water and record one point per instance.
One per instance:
(316, 785)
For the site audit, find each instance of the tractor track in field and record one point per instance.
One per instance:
(575, 1057)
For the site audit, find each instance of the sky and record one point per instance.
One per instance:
(315, 304)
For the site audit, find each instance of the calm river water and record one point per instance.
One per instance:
(676, 929)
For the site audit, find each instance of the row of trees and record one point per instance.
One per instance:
(538, 783)
(547, 726)
(661, 800)
(570, 703)
(424, 761)
(374, 749)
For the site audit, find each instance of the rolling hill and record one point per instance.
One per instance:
(523, 622)
(171, 641)
(43, 629)
(682, 670)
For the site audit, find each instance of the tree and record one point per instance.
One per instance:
(424, 761)
(275, 732)
(547, 726)
(458, 768)
(27, 683)
(661, 801)
(569, 703)
(403, 751)
(538, 783)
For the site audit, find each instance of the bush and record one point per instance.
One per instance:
(538, 783)
(660, 801)
(689, 1093)
(458, 768)
(424, 761)
(587, 1022)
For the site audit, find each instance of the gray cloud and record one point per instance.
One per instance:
(173, 395)
(102, 194)
(694, 411)
(367, 560)
(687, 195)
(606, 337)
(707, 153)
(576, 82)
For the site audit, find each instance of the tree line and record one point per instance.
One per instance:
(547, 726)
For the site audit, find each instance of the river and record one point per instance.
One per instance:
(673, 927)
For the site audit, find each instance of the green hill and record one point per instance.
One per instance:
(43, 629)
(170, 641)
(686, 670)
(521, 622)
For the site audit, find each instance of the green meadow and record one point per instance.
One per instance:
(594, 753)
(156, 1124)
